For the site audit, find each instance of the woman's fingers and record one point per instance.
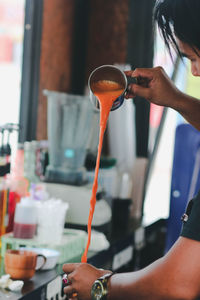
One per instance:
(72, 298)
(140, 89)
(68, 268)
(69, 290)
(146, 73)
(137, 90)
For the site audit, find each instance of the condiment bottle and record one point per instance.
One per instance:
(25, 220)
(30, 149)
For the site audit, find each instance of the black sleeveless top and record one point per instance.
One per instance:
(191, 220)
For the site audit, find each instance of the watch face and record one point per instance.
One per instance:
(97, 291)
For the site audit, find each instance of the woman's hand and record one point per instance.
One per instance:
(81, 277)
(160, 89)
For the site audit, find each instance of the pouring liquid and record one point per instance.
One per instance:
(107, 92)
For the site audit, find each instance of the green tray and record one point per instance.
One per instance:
(72, 245)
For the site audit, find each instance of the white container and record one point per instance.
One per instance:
(51, 221)
(25, 219)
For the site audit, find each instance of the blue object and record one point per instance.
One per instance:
(69, 153)
(185, 181)
(118, 102)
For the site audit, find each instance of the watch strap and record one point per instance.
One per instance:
(104, 280)
(106, 276)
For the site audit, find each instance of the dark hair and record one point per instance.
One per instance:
(181, 19)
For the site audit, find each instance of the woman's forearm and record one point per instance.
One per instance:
(162, 91)
(189, 108)
(144, 284)
(155, 282)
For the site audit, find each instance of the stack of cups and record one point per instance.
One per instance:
(51, 220)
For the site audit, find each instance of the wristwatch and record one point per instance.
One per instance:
(99, 290)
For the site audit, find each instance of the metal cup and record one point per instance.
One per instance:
(111, 73)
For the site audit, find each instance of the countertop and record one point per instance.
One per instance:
(47, 285)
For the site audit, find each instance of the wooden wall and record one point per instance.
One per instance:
(56, 54)
(106, 44)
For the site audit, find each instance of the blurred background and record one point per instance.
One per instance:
(54, 45)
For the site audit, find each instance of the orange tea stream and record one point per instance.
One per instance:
(107, 92)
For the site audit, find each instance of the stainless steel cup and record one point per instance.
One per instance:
(111, 73)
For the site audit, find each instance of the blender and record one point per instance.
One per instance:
(71, 121)
(69, 125)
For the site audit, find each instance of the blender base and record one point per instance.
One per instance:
(66, 176)
(78, 198)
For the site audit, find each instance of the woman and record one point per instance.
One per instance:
(177, 274)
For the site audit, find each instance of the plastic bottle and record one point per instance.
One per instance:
(3, 205)
(30, 149)
(18, 185)
(25, 220)
(42, 158)
(121, 206)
